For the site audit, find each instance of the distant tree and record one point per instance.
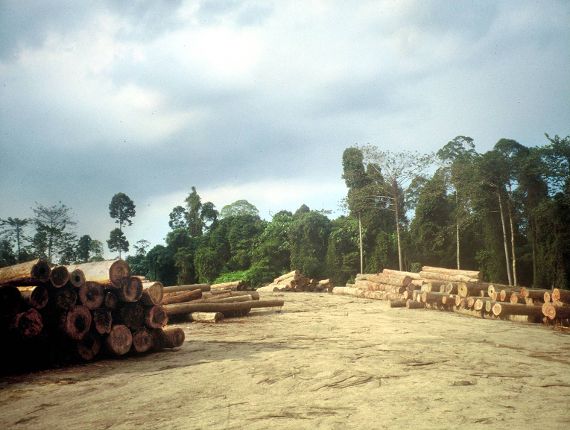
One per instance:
(208, 215)
(141, 246)
(84, 248)
(7, 257)
(193, 209)
(12, 229)
(207, 264)
(122, 209)
(178, 218)
(302, 210)
(308, 238)
(96, 250)
(160, 261)
(118, 242)
(52, 229)
(239, 208)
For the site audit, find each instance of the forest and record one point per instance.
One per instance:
(505, 212)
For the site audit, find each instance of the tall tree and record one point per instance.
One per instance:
(193, 210)
(12, 229)
(118, 242)
(237, 208)
(122, 209)
(52, 225)
(178, 218)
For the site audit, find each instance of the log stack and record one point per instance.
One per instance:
(52, 315)
(463, 292)
(295, 281)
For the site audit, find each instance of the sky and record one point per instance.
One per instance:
(257, 100)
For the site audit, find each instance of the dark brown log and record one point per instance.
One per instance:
(63, 298)
(505, 309)
(231, 299)
(33, 272)
(37, 297)
(111, 300)
(168, 338)
(92, 295)
(411, 304)
(109, 273)
(181, 297)
(466, 289)
(186, 308)
(552, 312)
(102, 321)
(152, 294)
(142, 340)
(131, 289)
(10, 301)
(533, 293)
(560, 295)
(208, 294)
(28, 324)
(459, 301)
(88, 347)
(77, 278)
(76, 322)
(397, 303)
(516, 298)
(176, 288)
(59, 276)
(206, 316)
(120, 339)
(155, 317)
(132, 315)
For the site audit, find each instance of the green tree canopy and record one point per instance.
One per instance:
(239, 208)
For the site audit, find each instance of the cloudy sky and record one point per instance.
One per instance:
(257, 99)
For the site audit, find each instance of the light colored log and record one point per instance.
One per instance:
(233, 286)
(33, 272)
(109, 273)
(294, 274)
(444, 277)
(560, 295)
(181, 297)
(469, 273)
(186, 308)
(152, 293)
(120, 340)
(176, 288)
(63, 298)
(211, 317)
(391, 272)
(397, 303)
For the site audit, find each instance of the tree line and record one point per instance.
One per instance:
(505, 212)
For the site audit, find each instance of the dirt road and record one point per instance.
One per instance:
(326, 361)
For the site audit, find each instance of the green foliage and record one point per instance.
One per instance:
(254, 277)
(207, 264)
(193, 218)
(239, 208)
(118, 242)
(160, 263)
(122, 209)
(12, 230)
(178, 218)
(308, 237)
(7, 256)
(53, 237)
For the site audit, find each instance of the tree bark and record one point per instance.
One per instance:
(109, 273)
(102, 321)
(92, 295)
(505, 239)
(181, 297)
(152, 294)
(111, 300)
(397, 303)
(186, 308)
(76, 322)
(64, 298)
(233, 286)
(33, 272)
(506, 309)
(177, 288)
(119, 340)
(131, 289)
(168, 338)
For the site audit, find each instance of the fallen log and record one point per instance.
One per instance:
(109, 273)
(176, 288)
(465, 289)
(186, 308)
(391, 272)
(75, 323)
(219, 294)
(120, 340)
(59, 276)
(76, 278)
(533, 293)
(36, 297)
(295, 274)
(111, 300)
(155, 316)
(234, 286)
(168, 338)
(131, 289)
(505, 309)
(397, 303)
(411, 304)
(102, 321)
(28, 324)
(213, 317)
(559, 295)
(33, 272)
(92, 295)
(181, 297)
(552, 312)
(63, 298)
(88, 347)
(469, 273)
(505, 293)
(152, 294)
(131, 315)
(444, 277)
(142, 340)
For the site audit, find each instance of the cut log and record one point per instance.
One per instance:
(470, 302)
(294, 274)
(505, 309)
(77, 278)
(92, 295)
(465, 289)
(119, 340)
(88, 348)
(63, 298)
(28, 324)
(533, 293)
(234, 299)
(131, 289)
(176, 288)
(33, 272)
(547, 297)
(233, 286)
(142, 340)
(37, 297)
(560, 295)
(469, 273)
(516, 298)
(434, 286)
(219, 294)
(109, 273)
(397, 303)
(152, 294)
(391, 272)
(10, 301)
(168, 338)
(111, 300)
(552, 312)
(102, 321)
(155, 316)
(75, 323)
(181, 297)
(132, 315)
(480, 303)
(448, 288)
(213, 317)
(444, 277)
(186, 308)
(495, 288)
(468, 312)
(411, 304)
(59, 276)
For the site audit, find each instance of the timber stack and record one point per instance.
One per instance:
(462, 292)
(212, 303)
(296, 281)
(53, 315)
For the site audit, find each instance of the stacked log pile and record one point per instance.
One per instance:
(52, 315)
(461, 291)
(212, 303)
(296, 281)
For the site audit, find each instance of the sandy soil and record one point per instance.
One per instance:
(326, 361)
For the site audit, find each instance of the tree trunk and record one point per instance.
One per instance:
(506, 309)
(142, 340)
(168, 338)
(109, 273)
(152, 293)
(559, 295)
(177, 288)
(457, 231)
(75, 323)
(551, 311)
(155, 317)
(465, 289)
(295, 274)
(232, 286)
(206, 316)
(88, 347)
(181, 297)
(412, 304)
(37, 297)
(513, 253)
(360, 244)
(33, 272)
(132, 315)
(28, 324)
(102, 321)
(92, 295)
(64, 298)
(59, 276)
(186, 308)
(111, 300)
(397, 303)
(119, 340)
(505, 239)
(397, 215)
(77, 278)
(131, 289)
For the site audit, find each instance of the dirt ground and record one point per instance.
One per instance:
(325, 361)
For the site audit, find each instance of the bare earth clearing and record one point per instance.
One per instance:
(324, 362)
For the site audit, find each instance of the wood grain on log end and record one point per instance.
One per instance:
(120, 339)
(77, 278)
(92, 295)
(76, 322)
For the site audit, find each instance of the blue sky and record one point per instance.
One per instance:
(257, 99)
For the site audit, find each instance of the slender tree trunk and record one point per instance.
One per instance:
(533, 227)
(360, 238)
(513, 254)
(505, 238)
(397, 213)
(18, 241)
(457, 231)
